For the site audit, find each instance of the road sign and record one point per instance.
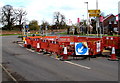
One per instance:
(26, 26)
(94, 11)
(94, 15)
(81, 48)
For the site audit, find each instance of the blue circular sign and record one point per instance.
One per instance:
(81, 49)
(26, 26)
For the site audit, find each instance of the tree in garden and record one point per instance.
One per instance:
(21, 17)
(59, 20)
(44, 24)
(33, 25)
(8, 16)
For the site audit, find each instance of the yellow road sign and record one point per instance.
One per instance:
(94, 15)
(93, 11)
(97, 11)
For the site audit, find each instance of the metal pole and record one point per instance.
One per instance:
(87, 19)
(87, 16)
(24, 29)
(83, 24)
(97, 19)
(46, 30)
(27, 32)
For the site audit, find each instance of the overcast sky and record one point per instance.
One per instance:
(72, 9)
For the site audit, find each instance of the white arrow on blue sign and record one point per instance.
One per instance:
(26, 26)
(81, 48)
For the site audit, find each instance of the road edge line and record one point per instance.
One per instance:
(8, 73)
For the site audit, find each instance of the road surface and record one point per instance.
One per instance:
(38, 67)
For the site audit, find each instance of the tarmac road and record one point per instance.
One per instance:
(38, 67)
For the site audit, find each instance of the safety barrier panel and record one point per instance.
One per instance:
(110, 41)
(95, 46)
(72, 45)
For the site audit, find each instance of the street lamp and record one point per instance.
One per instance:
(87, 15)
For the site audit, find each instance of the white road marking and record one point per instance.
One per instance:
(30, 50)
(54, 58)
(77, 65)
(20, 45)
(58, 59)
(73, 63)
(39, 53)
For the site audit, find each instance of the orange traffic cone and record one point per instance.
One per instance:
(25, 43)
(113, 55)
(38, 47)
(65, 56)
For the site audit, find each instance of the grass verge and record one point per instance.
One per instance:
(64, 33)
(8, 34)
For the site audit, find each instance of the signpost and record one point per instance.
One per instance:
(27, 27)
(94, 13)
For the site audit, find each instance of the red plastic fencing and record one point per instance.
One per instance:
(45, 41)
(95, 46)
(81, 39)
(56, 44)
(33, 41)
(110, 41)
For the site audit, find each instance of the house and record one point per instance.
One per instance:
(110, 24)
(119, 23)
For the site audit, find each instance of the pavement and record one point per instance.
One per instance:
(34, 66)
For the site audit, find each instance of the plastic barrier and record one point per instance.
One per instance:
(45, 41)
(32, 41)
(110, 41)
(95, 46)
(66, 46)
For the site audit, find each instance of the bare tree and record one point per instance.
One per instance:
(21, 15)
(44, 24)
(8, 17)
(59, 19)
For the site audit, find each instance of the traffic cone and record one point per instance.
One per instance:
(113, 55)
(38, 47)
(25, 43)
(65, 56)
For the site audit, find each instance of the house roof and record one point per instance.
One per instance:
(107, 17)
